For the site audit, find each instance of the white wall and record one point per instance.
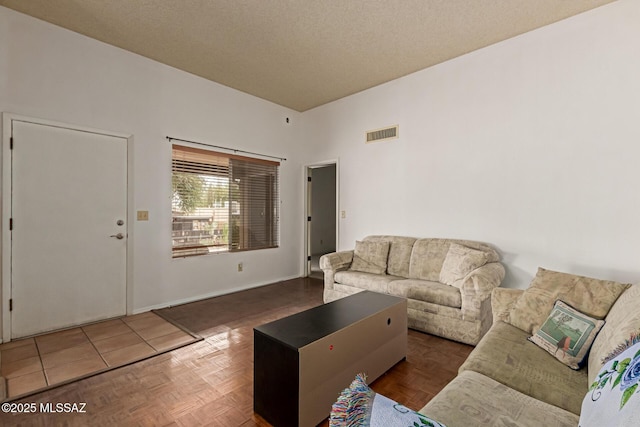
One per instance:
(532, 145)
(51, 73)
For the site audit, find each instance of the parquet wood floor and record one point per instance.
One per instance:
(210, 383)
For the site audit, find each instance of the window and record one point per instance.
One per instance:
(222, 202)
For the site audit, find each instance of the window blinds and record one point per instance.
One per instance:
(222, 202)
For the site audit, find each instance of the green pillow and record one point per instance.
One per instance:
(567, 334)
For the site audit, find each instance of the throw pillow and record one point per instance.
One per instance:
(370, 257)
(399, 257)
(359, 406)
(590, 296)
(614, 397)
(567, 334)
(459, 262)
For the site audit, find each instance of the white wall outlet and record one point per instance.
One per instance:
(240, 266)
(343, 214)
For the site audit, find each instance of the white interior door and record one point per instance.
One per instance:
(69, 198)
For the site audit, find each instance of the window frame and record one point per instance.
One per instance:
(256, 197)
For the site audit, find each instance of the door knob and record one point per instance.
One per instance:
(118, 236)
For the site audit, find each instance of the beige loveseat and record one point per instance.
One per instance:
(509, 381)
(447, 283)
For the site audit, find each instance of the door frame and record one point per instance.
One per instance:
(306, 264)
(6, 200)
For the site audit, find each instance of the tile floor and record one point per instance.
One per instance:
(45, 360)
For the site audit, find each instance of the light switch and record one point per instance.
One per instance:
(343, 214)
(143, 215)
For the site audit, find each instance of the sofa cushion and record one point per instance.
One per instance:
(506, 355)
(427, 257)
(592, 297)
(399, 257)
(399, 253)
(368, 281)
(472, 399)
(370, 257)
(567, 334)
(459, 262)
(423, 290)
(623, 320)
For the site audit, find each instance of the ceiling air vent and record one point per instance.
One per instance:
(383, 134)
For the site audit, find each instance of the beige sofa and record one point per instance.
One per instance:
(509, 381)
(447, 283)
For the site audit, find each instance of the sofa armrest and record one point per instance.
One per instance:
(482, 281)
(502, 301)
(332, 263)
(336, 261)
(476, 290)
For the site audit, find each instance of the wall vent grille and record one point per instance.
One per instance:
(384, 134)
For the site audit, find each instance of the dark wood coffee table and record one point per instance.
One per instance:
(304, 361)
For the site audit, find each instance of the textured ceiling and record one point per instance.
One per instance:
(301, 53)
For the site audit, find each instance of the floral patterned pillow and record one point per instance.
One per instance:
(614, 397)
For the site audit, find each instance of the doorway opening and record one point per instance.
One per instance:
(322, 215)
